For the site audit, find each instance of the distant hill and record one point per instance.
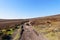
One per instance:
(5, 23)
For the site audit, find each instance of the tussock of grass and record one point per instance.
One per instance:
(52, 33)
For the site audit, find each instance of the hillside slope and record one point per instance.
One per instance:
(49, 26)
(4, 23)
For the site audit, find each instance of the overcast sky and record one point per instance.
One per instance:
(10, 9)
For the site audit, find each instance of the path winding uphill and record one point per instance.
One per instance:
(29, 33)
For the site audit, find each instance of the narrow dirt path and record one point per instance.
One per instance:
(30, 34)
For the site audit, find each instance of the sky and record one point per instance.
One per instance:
(22, 9)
